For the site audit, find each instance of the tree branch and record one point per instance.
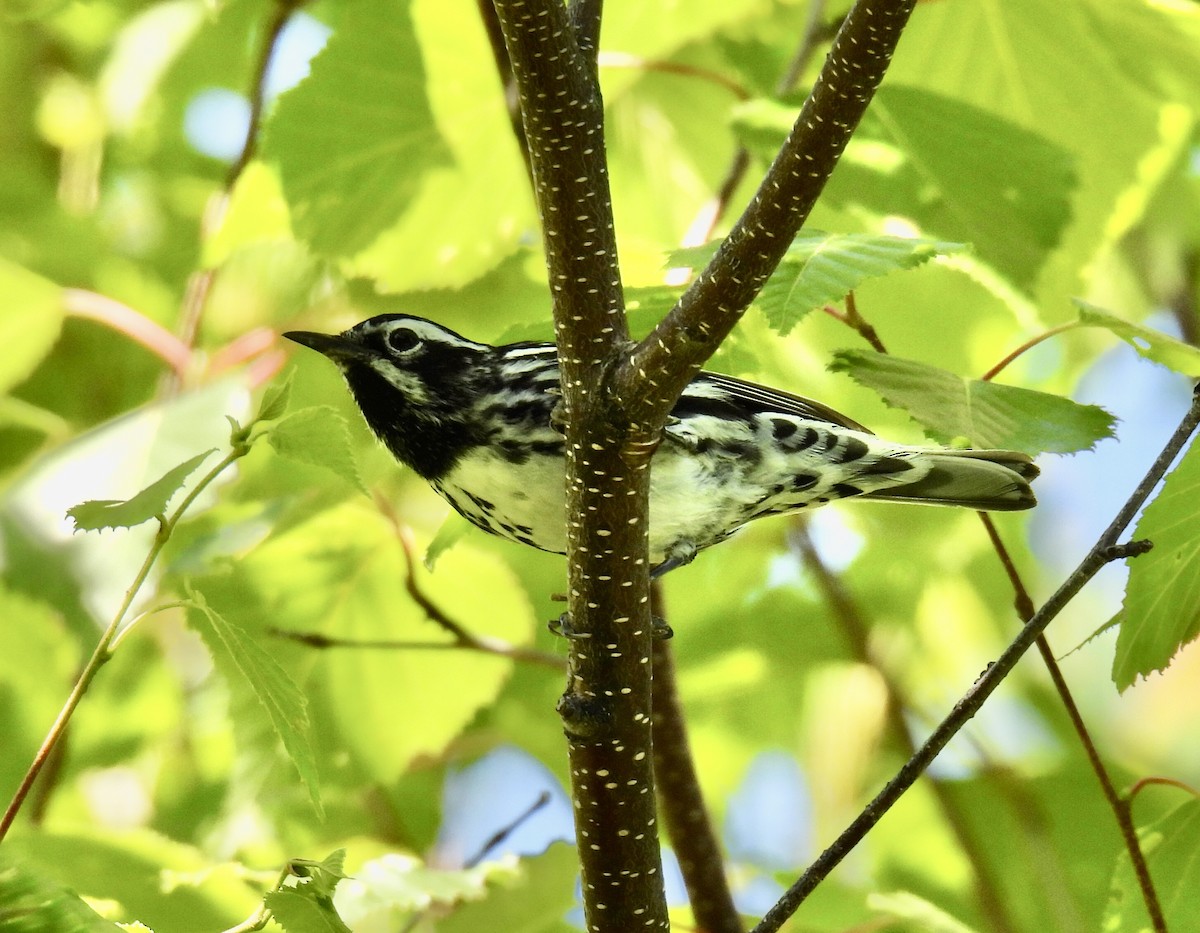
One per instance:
(1105, 549)
(585, 16)
(606, 706)
(670, 356)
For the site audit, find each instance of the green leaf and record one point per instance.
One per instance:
(395, 885)
(31, 903)
(318, 436)
(166, 884)
(822, 268)
(30, 320)
(1150, 343)
(986, 414)
(920, 913)
(354, 139)
(275, 399)
(98, 514)
(302, 910)
(1135, 59)
(342, 572)
(818, 269)
(534, 902)
(449, 533)
(960, 172)
(1161, 610)
(1170, 845)
(257, 212)
(323, 875)
(236, 652)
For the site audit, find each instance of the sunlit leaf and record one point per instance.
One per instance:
(354, 139)
(97, 514)
(984, 413)
(166, 884)
(323, 875)
(318, 436)
(236, 653)
(534, 902)
(1150, 343)
(31, 317)
(342, 573)
(1161, 611)
(1136, 60)
(448, 534)
(396, 885)
(257, 211)
(301, 910)
(821, 269)
(275, 399)
(916, 910)
(818, 269)
(960, 172)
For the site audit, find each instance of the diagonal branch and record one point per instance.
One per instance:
(1121, 813)
(670, 356)
(1105, 550)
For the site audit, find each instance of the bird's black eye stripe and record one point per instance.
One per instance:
(402, 339)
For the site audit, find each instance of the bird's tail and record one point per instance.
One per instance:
(987, 480)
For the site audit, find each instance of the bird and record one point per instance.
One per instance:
(476, 421)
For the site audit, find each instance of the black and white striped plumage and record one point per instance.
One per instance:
(475, 421)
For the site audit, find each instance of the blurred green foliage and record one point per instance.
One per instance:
(1058, 141)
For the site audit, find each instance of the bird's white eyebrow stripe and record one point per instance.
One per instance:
(529, 351)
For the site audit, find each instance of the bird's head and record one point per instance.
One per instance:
(409, 377)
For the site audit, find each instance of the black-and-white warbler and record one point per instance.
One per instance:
(475, 421)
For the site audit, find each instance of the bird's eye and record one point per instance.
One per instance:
(401, 340)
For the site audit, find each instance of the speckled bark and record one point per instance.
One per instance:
(615, 404)
(606, 706)
(672, 354)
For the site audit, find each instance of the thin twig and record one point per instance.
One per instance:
(1025, 611)
(849, 616)
(281, 12)
(1105, 550)
(701, 228)
(1025, 347)
(464, 639)
(1121, 812)
(491, 26)
(261, 915)
(540, 802)
(688, 822)
(665, 66)
(499, 649)
(856, 322)
(1154, 781)
(104, 647)
(200, 283)
(416, 919)
(133, 324)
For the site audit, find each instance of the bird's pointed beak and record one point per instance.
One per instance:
(335, 346)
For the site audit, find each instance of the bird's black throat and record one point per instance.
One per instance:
(429, 445)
